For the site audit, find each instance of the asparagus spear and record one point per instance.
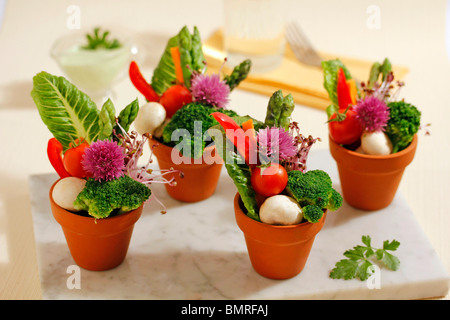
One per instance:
(279, 110)
(239, 73)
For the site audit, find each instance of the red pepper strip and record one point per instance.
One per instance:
(236, 135)
(141, 84)
(175, 52)
(54, 153)
(343, 91)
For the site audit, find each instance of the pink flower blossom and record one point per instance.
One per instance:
(104, 159)
(210, 89)
(276, 142)
(372, 113)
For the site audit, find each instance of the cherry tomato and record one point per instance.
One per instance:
(72, 159)
(346, 131)
(269, 181)
(174, 98)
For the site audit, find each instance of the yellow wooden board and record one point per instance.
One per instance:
(304, 82)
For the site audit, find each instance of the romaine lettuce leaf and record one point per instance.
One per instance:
(67, 112)
(191, 55)
(237, 169)
(330, 74)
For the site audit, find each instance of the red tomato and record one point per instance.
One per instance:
(269, 181)
(174, 98)
(72, 159)
(346, 131)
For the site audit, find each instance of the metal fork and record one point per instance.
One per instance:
(301, 46)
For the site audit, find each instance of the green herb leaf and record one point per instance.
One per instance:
(358, 264)
(96, 41)
(391, 261)
(366, 240)
(345, 269)
(392, 246)
(364, 271)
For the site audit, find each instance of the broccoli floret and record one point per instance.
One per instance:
(310, 188)
(312, 213)
(335, 201)
(403, 124)
(314, 192)
(101, 198)
(195, 118)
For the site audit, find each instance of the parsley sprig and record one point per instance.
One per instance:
(360, 259)
(97, 40)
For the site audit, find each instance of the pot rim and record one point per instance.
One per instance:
(399, 154)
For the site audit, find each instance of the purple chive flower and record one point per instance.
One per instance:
(104, 159)
(372, 113)
(276, 142)
(210, 89)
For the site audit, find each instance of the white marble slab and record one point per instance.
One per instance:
(196, 251)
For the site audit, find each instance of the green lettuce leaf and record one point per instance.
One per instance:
(191, 55)
(330, 74)
(67, 112)
(237, 169)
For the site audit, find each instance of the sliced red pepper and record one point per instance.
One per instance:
(236, 135)
(141, 84)
(54, 153)
(343, 91)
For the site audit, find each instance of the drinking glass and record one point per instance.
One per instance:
(254, 29)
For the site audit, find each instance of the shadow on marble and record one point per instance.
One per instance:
(171, 274)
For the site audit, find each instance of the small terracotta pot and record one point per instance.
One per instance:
(199, 180)
(96, 244)
(276, 252)
(370, 182)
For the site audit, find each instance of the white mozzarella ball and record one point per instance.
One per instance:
(66, 191)
(280, 210)
(376, 143)
(150, 116)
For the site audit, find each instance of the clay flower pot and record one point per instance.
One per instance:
(276, 252)
(199, 180)
(370, 182)
(96, 244)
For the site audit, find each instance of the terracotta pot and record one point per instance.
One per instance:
(277, 252)
(199, 180)
(96, 244)
(370, 182)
